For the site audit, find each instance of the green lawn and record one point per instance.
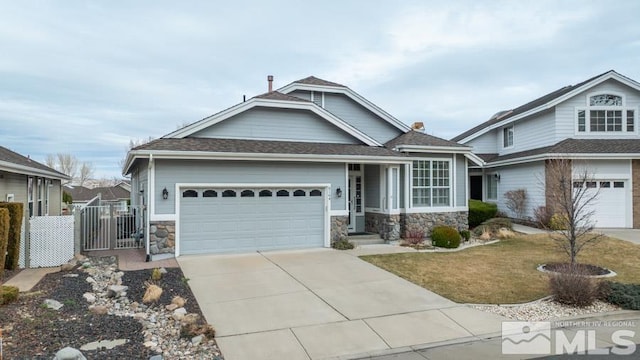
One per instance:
(505, 272)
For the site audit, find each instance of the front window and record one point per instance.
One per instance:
(431, 183)
(507, 137)
(492, 187)
(30, 195)
(606, 113)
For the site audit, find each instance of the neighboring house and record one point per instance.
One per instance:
(118, 195)
(593, 123)
(299, 167)
(24, 180)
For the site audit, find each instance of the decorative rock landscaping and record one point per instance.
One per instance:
(545, 309)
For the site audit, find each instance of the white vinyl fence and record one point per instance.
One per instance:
(51, 240)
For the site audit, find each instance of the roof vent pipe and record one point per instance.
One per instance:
(270, 80)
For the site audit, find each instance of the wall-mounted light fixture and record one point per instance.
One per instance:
(165, 193)
(339, 192)
(496, 176)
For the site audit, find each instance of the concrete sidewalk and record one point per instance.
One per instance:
(321, 304)
(26, 279)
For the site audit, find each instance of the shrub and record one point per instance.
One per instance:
(16, 213)
(4, 237)
(156, 274)
(466, 234)
(516, 201)
(627, 296)
(542, 215)
(558, 222)
(342, 244)
(445, 236)
(152, 294)
(480, 212)
(414, 237)
(573, 287)
(67, 199)
(493, 226)
(8, 294)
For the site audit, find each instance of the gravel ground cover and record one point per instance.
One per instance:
(91, 312)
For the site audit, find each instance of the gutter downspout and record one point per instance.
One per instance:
(148, 207)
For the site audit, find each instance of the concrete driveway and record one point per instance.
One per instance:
(632, 235)
(321, 303)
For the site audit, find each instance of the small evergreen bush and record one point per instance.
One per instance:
(8, 294)
(15, 224)
(558, 222)
(627, 296)
(480, 212)
(466, 234)
(4, 237)
(445, 236)
(342, 244)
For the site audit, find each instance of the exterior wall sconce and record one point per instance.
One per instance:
(165, 194)
(339, 192)
(496, 176)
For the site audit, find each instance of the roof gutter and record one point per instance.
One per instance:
(572, 156)
(434, 149)
(22, 169)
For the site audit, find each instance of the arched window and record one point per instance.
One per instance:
(282, 193)
(228, 193)
(210, 193)
(189, 194)
(266, 193)
(247, 193)
(299, 193)
(315, 193)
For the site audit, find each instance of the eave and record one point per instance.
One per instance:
(27, 170)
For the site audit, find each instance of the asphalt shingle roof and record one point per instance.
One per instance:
(15, 158)
(575, 146)
(312, 80)
(418, 138)
(111, 193)
(526, 107)
(264, 147)
(275, 95)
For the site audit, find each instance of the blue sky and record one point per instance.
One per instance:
(85, 77)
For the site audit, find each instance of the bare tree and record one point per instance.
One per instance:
(516, 201)
(133, 143)
(86, 172)
(50, 161)
(67, 164)
(571, 194)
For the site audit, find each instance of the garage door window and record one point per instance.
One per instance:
(228, 193)
(282, 193)
(266, 193)
(210, 193)
(315, 193)
(605, 184)
(618, 184)
(299, 193)
(189, 193)
(247, 193)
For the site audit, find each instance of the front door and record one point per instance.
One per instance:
(355, 200)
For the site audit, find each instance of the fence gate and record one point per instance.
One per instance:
(105, 227)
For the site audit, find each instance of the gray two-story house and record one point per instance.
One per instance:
(593, 123)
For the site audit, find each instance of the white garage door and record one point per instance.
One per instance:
(610, 207)
(214, 220)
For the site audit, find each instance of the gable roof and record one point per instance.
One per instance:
(313, 83)
(273, 99)
(107, 193)
(593, 148)
(13, 162)
(542, 103)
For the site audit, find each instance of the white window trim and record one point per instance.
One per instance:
(587, 116)
(513, 136)
(451, 185)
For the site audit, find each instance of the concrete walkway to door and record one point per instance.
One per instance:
(319, 304)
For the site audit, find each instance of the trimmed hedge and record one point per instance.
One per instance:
(480, 212)
(16, 212)
(8, 294)
(445, 236)
(342, 244)
(4, 237)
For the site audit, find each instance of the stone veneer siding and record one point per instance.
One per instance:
(385, 225)
(339, 228)
(635, 192)
(162, 237)
(426, 221)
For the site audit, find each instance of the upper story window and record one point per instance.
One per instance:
(606, 113)
(431, 184)
(507, 137)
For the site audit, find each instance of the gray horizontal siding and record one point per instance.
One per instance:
(170, 172)
(372, 186)
(13, 184)
(461, 183)
(360, 118)
(278, 124)
(302, 94)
